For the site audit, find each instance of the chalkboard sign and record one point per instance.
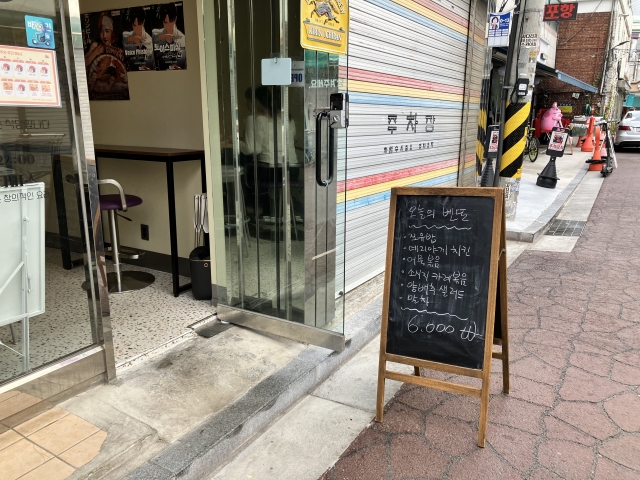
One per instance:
(445, 302)
(440, 279)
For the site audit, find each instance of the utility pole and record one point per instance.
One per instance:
(518, 103)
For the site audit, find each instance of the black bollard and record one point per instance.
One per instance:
(487, 174)
(548, 178)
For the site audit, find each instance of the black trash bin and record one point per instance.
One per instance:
(200, 264)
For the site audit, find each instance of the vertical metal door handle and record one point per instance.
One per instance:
(319, 180)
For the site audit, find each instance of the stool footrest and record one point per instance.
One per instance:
(127, 252)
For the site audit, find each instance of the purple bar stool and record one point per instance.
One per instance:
(120, 281)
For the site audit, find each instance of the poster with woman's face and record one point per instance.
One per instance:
(169, 42)
(104, 56)
(137, 38)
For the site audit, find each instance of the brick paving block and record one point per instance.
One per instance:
(595, 322)
(523, 321)
(559, 325)
(535, 300)
(583, 347)
(561, 314)
(399, 419)
(551, 339)
(556, 357)
(411, 457)
(625, 374)
(572, 302)
(610, 309)
(536, 370)
(624, 410)
(516, 309)
(586, 417)
(582, 386)
(629, 336)
(423, 398)
(605, 342)
(516, 335)
(530, 391)
(452, 436)
(516, 413)
(607, 470)
(623, 450)
(630, 315)
(570, 461)
(366, 464)
(634, 304)
(633, 292)
(542, 474)
(367, 438)
(630, 358)
(515, 446)
(461, 407)
(596, 364)
(558, 430)
(483, 464)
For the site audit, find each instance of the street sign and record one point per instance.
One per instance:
(557, 142)
(499, 29)
(560, 11)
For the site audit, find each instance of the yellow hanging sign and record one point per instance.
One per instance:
(325, 24)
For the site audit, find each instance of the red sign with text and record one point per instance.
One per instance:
(560, 11)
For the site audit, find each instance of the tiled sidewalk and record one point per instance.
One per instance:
(50, 446)
(574, 407)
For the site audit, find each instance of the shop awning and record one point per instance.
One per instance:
(543, 70)
(566, 78)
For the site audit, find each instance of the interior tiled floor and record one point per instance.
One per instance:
(141, 320)
(49, 446)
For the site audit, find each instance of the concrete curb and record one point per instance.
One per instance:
(537, 228)
(210, 445)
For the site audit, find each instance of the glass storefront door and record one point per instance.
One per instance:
(283, 168)
(45, 314)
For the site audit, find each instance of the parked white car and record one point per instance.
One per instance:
(628, 133)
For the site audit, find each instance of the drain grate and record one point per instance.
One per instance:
(566, 228)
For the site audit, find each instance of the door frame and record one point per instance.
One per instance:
(210, 57)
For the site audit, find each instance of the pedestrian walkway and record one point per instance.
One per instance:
(572, 409)
(572, 412)
(184, 411)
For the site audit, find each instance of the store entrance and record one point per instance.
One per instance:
(281, 266)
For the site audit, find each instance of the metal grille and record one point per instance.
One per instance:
(566, 228)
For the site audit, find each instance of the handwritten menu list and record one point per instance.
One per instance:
(440, 279)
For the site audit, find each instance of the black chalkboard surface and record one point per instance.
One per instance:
(445, 301)
(440, 279)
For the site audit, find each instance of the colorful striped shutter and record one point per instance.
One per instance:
(406, 75)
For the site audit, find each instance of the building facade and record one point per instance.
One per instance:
(296, 222)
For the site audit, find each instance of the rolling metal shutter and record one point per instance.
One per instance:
(407, 67)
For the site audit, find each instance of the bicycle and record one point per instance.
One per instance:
(531, 145)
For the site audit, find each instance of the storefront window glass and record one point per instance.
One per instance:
(45, 299)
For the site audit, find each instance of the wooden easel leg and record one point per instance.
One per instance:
(416, 370)
(484, 408)
(380, 396)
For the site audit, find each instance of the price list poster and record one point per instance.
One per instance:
(29, 77)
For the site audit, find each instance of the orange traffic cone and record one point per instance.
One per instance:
(587, 146)
(594, 163)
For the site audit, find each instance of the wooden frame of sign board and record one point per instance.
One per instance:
(496, 311)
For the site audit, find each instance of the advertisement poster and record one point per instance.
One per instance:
(557, 142)
(325, 24)
(499, 29)
(29, 77)
(104, 56)
(39, 32)
(169, 43)
(137, 38)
